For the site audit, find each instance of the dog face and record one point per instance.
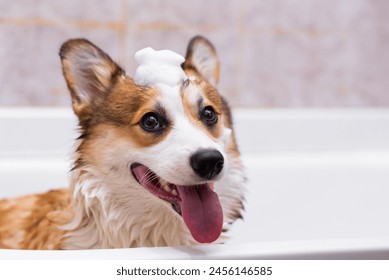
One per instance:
(155, 149)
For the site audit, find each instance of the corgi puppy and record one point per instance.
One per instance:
(156, 162)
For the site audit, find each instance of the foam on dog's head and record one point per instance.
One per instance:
(158, 67)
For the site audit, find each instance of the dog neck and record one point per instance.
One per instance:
(103, 220)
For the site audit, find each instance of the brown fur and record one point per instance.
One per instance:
(31, 222)
(194, 65)
(121, 111)
(208, 97)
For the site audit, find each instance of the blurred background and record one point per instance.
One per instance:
(274, 53)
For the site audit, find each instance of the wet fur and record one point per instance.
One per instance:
(104, 207)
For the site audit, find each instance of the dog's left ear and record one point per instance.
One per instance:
(89, 73)
(201, 57)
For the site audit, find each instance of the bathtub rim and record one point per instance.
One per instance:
(331, 249)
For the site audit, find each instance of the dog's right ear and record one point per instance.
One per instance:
(202, 58)
(89, 73)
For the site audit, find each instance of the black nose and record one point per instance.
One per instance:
(207, 163)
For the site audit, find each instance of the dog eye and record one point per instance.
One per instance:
(209, 116)
(151, 122)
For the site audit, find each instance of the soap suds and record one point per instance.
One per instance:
(159, 67)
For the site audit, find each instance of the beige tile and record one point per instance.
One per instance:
(369, 66)
(371, 14)
(86, 10)
(294, 71)
(273, 52)
(30, 72)
(304, 14)
(183, 13)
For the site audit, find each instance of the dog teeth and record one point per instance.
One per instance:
(169, 189)
(166, 188)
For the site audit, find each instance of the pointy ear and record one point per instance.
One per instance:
(89, 73)
(201, 57)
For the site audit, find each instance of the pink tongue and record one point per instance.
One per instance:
(202, 212)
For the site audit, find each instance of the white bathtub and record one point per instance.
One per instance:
(318, 183)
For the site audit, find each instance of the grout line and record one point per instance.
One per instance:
(123, 30)
(121, 24)
(240, 52)
(155, 26)
(72, 23)
(297, 31)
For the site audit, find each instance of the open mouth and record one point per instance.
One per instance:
(198, 205)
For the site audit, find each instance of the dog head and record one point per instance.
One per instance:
(154, 149)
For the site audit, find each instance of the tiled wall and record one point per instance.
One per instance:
(274, 53)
